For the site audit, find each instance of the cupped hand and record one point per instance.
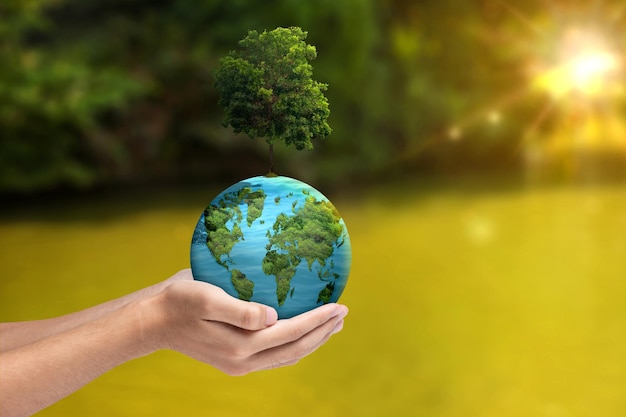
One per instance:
(202, 321)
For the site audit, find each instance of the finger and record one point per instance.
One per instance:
(295, 359)
(290, 330)
(224, 308)
(293, 352)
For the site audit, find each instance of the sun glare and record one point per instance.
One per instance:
(584, 65)
(590, 67)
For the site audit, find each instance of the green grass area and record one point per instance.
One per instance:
(463, 302)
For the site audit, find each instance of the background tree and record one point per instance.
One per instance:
(267, 89)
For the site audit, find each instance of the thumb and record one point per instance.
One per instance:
(243, 314)
(251, 316)
(212, 303)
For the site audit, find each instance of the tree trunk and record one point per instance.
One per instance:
(271, 173)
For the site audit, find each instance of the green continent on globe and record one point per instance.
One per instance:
(283, 267)
(221, 239)
(311, 234)
(326, 293)
(242, 284)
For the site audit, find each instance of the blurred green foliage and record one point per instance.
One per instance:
(99, 92)
(52, 93)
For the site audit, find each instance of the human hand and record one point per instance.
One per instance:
(192, 317)
(202, 321)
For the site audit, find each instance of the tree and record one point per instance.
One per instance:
(267, 90)
(51, 98)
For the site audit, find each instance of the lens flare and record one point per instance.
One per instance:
(590, 67)
(585, 65)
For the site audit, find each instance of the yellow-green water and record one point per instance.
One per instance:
(507, 302)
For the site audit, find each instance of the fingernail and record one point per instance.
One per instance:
(271, 317)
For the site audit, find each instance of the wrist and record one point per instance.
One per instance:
(159, 316)
(151, 323)
(154, 318)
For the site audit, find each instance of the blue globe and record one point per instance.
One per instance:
(273, 240)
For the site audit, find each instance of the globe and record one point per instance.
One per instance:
(273, 240)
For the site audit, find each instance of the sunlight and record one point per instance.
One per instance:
(585, 65)
(579, 132)
(591, 66)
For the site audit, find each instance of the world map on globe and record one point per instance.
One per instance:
(273, 240)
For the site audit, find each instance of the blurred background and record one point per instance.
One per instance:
(478, 157)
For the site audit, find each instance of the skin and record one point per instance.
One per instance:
(43, 361)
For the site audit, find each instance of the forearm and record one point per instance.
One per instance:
(36, 375)
(14, 335)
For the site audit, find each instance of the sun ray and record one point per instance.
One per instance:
(540, 117)
(520, 17)
(570, 57)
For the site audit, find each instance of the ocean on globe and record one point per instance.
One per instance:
(273, 240)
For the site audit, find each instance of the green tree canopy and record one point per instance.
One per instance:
(267, 90)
